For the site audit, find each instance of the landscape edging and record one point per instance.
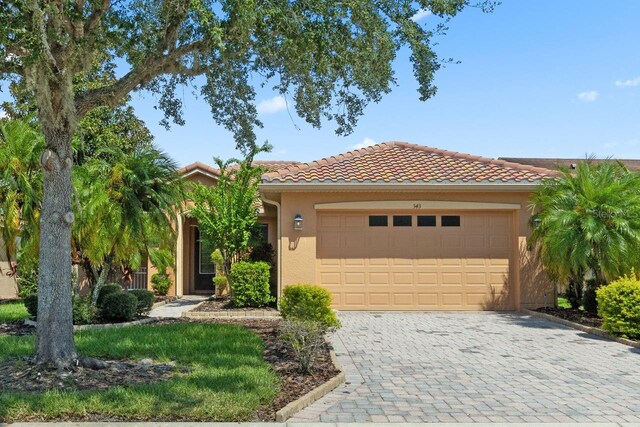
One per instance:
(161, 303)
(101, 325)
(314, 395)
(588, 329)
(230, 315)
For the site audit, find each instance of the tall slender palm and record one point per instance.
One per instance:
(20, 189)
(126, 209)
(588, 220)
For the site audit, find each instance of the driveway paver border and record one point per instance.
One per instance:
(588, 329)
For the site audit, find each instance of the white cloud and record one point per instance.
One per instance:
(273, 105)
(589, 96)
(421, 14)
(366, 142)
(628, 83)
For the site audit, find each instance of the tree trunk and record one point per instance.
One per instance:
(102, 279)
(54, 344)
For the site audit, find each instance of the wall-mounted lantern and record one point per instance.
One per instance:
(297, 222)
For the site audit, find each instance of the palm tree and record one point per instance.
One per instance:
(20, 193)
(127, 208)
(588, 221)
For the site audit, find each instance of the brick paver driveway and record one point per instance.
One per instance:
(477, 367)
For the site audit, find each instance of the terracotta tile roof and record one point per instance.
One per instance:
(198, 166)
(631, 164)
(401, 162)
(270, 165)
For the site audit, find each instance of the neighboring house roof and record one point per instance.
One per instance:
(199, 167)
(401, 162)
(631, 164)
(270, 165)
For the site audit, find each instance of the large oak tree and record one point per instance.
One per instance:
(330, 58)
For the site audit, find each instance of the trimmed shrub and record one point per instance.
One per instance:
(31, 302)
(119, 307)
(160, 284)
(308, 302)
(250, 284)
(107, 289)
(84, 313)
(619, 306)
(145, 300)
(220, 283)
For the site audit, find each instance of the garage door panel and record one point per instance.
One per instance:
(379, 299)
(402, 279)
(382, 278)
(415, 268)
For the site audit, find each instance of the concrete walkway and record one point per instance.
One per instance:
(176, 308)
(477, 367)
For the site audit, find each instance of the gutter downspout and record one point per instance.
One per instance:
(279, 255)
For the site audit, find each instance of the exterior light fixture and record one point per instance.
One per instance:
(297, 222)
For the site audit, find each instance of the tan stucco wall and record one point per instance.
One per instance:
(299, 247)
(8, 287)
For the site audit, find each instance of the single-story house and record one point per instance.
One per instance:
(394, 226)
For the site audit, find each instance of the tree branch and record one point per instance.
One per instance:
(146, 71)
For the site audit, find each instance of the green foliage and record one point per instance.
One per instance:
(220, 283)
(20, 197)
(216, 257)
(31, 302)
(308, 302)
(227, 213)
(12, 311)
(162, 259)
(306, 338)
(127, 209)
(145, 300)
(160, 284)
(619, 306)
(84, 312)
(108, 289)
(588, 220)
(119, 307)
(250, 284)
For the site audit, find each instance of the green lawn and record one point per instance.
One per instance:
(229, 379)
(12, 311)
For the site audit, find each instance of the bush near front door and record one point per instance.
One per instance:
(250, 284)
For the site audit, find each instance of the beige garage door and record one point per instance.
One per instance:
(411, 261)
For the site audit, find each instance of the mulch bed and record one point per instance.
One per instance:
(23, 375)
(16, 329)
(574, 315)
(293, 384)
(225, 304)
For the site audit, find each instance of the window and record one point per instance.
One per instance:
(206, 265)
(378, 221)
(450, 220)
(263, 234)
(426, 220)
(402, 221)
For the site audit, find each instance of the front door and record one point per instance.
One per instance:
(205, 269)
